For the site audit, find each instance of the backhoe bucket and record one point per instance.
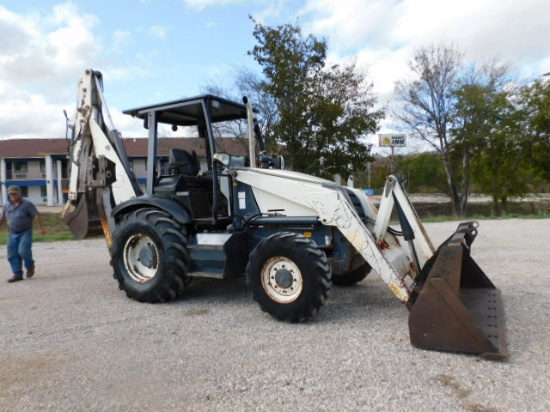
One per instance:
(82, 219)
(458, 309)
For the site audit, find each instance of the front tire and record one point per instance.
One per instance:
(149, 256)
(289, 276)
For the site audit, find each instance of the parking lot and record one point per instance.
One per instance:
(71, 341)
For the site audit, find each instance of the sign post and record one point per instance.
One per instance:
(393, 141)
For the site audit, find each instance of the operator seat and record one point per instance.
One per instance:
(194, 191)
(183, 162)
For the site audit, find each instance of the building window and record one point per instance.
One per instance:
(20, 167)
(64, 169)
(24, 191)
(42, 166)
(43, 191)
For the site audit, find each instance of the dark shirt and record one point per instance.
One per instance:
(19, 217)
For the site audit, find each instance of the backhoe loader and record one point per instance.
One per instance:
(293, 236)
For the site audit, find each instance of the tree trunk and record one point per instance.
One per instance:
(466, 181)
(504, 202)
(496, 206)
(453, 192)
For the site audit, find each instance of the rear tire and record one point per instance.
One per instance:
(149, 256)
(289, 276)
(352, 277)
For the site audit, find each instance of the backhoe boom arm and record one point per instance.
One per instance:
(98, 162)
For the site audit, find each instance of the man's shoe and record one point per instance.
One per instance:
(30, 272)
(15, 279)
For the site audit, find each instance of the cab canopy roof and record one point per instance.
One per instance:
(191, 111)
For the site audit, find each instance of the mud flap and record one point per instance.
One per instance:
(458, 309)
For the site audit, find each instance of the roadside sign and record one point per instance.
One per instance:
(392, 140)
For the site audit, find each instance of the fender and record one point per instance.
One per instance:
(168, 204)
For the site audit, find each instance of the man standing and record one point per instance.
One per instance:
(19, 213)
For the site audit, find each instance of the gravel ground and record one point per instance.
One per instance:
(71, 341)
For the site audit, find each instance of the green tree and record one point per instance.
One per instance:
(534, 101)
(500, 168)
(480, 107)
(323, 112)
(375, 174)
(423, 172)
(509, 139)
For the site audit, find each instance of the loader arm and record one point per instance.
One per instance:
(391, 264)
(100, 174)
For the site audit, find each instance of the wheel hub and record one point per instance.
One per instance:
(148, 256)
(141, 258)
(283, 278)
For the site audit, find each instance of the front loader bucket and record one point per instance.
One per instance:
(458, 309)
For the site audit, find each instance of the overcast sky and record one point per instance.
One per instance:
(155, 50)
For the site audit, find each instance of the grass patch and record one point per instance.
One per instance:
(56, 230)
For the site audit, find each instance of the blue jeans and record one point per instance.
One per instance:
(20, 251)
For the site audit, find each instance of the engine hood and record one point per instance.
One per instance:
(287, 174)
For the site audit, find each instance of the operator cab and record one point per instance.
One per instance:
(199, 178)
